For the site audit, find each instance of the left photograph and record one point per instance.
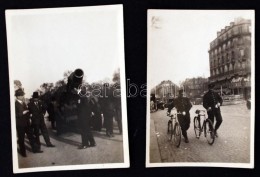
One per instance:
(67, 88)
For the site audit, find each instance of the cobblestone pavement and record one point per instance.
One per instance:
(232, 145)
(66, 152)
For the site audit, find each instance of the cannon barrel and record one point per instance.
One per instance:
(75, 79)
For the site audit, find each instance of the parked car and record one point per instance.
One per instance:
(160, 105)
(197, 101)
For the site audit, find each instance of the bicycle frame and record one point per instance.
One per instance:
(206, 127)
(174, 129)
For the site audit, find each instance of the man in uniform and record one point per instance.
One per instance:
(85, 110)
(37, 110)
(212, 102)
(23, 124)
(183, 106)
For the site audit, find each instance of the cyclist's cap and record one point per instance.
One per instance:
(211, 86)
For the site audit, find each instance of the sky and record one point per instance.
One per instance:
(44, 43)
(179, 40)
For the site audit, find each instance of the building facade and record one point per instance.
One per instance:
(230, 59)
(165, 91)
(195, 87)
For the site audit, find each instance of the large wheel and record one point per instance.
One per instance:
(197, 127)
(209, 131)
(177, 134)
(170, 130)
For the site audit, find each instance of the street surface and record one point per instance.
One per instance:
(232, 145)
(66, 152)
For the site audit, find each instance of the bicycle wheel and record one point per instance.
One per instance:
(170, 130)
(177, 134)
(197, 127)
(209, 131)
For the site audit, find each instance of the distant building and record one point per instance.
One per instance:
(165, 91)
(195, 87)
(230, 59)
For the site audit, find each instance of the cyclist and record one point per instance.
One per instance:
(212, 102)
(183, 106)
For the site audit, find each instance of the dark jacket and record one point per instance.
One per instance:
(37, 111)
(22, 120)
(182, 104)
(210, 99)
(51, 111)
(85, 108)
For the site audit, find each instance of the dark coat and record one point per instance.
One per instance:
(85, 107)
(182, 104)
(51, 111)
(37, 111)
(210, 99)
(22, 120)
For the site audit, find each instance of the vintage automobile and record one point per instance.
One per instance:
(160, 105)
(197, 101)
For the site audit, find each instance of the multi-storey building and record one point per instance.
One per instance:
(165, 91)
(195, 87)
(230, 59)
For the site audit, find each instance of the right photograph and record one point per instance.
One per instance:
(200, 86)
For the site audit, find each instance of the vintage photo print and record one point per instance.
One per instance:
(200, 86)
(67, 88)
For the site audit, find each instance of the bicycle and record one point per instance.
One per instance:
(207, 126)
(174, 129)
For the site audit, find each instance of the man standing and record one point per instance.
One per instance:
(37, 110)
(212, 102)
(51, 113)
(23, 124)
(85, 109)
(183, 106)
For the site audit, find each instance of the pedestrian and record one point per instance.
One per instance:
(118, 114)
(212, 102)
(85, 111)
(96, 118)
(23, 127)
(51, 113)
(37, 111)
(108, 110)
(183, 106)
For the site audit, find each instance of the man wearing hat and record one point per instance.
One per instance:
(183, 106)
(37, 110)
(23, 124)
(212, 102)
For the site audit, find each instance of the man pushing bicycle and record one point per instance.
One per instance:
(183, 106)
(212, 102)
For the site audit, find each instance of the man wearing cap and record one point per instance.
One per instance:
(183, 106)
(37, 111)
(212, 102)
(23, 124)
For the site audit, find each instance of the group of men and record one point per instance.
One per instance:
(211, 102)
(30, 122)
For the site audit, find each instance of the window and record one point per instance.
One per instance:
(227, 58)
(232, 55)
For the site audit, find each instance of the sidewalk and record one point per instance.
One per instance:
(66, 152)
(155, 156)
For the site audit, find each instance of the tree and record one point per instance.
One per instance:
(17, 84)
(116, 76)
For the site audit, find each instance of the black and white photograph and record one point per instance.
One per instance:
(67, 88)
(200, 86)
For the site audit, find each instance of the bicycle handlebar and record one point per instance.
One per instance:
(200, 112)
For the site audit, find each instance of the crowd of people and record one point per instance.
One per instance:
(90, 113)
